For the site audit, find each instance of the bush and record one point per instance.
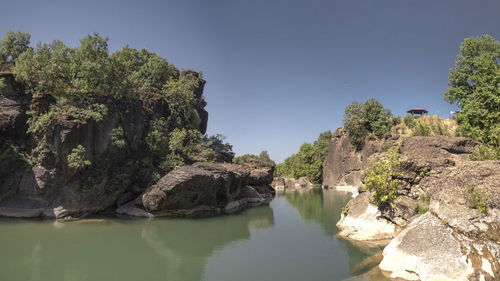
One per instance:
(485, 152)
(476, 198)
(118, 137)
(380, 178)
(243, 158)
(77, 159)
(362, 119)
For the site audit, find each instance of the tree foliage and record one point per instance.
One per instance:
(308, 162)
(362, 119)
(11, 47)
(88, 83)
(263, 155)
(380, 177)
(474, 87)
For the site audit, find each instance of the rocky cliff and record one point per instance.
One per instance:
(456, 238)
(344, 163)
(36, 178)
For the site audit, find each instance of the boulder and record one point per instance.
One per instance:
(208, 188)
(426, 250)
(364, 221)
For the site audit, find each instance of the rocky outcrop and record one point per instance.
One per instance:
(205, 189)
(362, 220)
(37, 180)
(292, 184)
(426, 250)
(461, 202)
(344, 163)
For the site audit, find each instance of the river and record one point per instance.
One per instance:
(291, 239)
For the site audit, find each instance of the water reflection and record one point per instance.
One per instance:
(292, 239)
(186, 245)
(121, 250)
(325, 207)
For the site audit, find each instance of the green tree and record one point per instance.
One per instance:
(264, 155)
(474, 87)
(362, 119)
(11, 47)
(308, 161)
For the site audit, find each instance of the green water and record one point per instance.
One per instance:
(291, 239)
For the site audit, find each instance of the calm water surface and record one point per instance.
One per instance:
(291, 239)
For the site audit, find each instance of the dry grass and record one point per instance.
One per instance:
(425, 126)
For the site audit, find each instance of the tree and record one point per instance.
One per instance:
(308, 162)
(361, 119)
(474, 88)
(264, 155)
(12, 46)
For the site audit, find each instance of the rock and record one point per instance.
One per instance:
(124, 198)
(113, 172)
(363, 220)
(348, 188)
(130, 209)
(20, 212)
(278, 184)
(449, 193)
(426, 250)
(208, 188)
(344, 164)
(292, 184)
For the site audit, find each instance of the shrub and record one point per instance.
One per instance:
(77, 159)
(476, 198)
(485, 152)
(157, 138)
(380, 177)
(409, 121)
(118, 137)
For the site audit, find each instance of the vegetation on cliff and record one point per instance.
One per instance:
(381, 175)
(263, 155)
(308, 162)
(70, 87)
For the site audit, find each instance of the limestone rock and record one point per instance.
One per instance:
(364, 221)
(426, 250)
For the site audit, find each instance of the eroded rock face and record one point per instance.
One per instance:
(426, 250)
(46, 183)
(458, 238)
(343, 164)
(209, 188)
(364, 221)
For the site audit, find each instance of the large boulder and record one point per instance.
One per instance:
(208, 188)
(363, 221)
(426, 250)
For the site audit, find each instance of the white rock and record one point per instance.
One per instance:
(363, 221)
(426, 250)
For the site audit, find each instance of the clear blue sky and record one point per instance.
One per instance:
(280, 72)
